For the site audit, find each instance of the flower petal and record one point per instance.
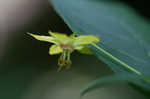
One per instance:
(62, 38)
(85, 50)
(55, 49)
(57, 35)
(43, 38)
(86, 39)
(73, 35)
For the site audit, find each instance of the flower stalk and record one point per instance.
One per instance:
(116, 59)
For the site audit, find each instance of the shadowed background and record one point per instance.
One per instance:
(26, 69)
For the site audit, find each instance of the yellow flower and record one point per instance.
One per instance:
(66, 45)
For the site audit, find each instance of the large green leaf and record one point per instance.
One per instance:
(121, 29)
(121, 77)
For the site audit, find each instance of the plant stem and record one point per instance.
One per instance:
(116, 59)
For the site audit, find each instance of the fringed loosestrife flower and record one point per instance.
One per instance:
(66, 45)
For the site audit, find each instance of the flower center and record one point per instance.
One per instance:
(67, 46)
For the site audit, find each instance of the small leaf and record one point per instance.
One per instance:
(54, 49)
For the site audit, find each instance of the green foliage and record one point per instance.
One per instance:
(133, 79)
(123, 34)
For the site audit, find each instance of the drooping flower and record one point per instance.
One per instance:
(66, 45)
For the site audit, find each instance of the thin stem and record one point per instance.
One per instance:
(68, 55)
(62, 60)
(68, 61)
(64, 56)
(116, 59)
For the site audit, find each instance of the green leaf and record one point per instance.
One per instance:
(147, 78)
(117, 25)
(123, 32)
(134, 79)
